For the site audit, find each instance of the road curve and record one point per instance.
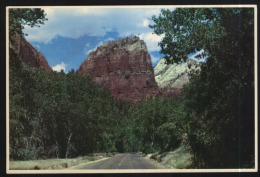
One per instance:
(123, 161)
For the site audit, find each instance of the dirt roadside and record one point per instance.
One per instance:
(50, 164)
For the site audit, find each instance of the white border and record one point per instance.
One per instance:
(256, 87)
(7, 90)
(64, 171)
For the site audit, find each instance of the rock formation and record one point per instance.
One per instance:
(124, 67)
(171, 78)
(28, 54)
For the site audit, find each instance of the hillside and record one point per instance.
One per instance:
(28, 54)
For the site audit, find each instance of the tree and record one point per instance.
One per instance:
(23, 119)
(186, 31)
(220, 99)
(19, 17)
(155, 125)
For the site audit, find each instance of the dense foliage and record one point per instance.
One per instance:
(59, 115)
(157, 124)
(220, 100)
(65, 115)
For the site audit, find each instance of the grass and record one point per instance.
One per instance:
(53, 163)
(180, 158)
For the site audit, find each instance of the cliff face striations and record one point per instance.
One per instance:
(124, 67)
(28, 54)
(171, 78)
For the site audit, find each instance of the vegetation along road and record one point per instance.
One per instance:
(123, 161)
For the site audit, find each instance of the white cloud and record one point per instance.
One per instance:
(93, 21)
(37, 46)
(145, 23)
(151, 41)
(87, 50)
(109, 39)
(87, 44)
(154, 59)
(59, 67)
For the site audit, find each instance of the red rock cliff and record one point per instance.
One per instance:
(124, 67)
(28, 54)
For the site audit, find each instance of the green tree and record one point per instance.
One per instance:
(220, 99)
(156, 125)
(56, 114)
(20, 17)
(187, 30)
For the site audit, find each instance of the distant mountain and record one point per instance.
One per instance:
(28, 54)
(172, 77)
(123, 66)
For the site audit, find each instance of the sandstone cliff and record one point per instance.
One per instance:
(28, 54)
(124, 67)
(171, 78)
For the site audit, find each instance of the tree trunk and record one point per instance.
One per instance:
(152, 136)
(57, 150)
(68, 146)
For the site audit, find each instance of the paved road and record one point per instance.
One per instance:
(123, 161)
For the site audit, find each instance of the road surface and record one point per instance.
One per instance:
(123, 161)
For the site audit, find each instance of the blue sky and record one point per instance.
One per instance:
(71, 33)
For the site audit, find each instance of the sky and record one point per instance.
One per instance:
(69, 34)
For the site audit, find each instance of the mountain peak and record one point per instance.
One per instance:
(124, 67)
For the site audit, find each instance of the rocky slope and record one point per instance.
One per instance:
(171, 78)
(28, 54)
(124, 67)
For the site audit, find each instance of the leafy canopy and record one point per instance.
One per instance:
(20, 17)
(220, 99)
(186, 31)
